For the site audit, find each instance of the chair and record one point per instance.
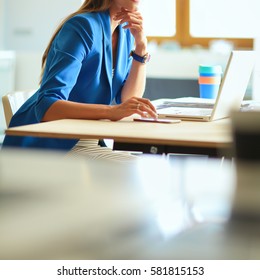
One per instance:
(13, 101)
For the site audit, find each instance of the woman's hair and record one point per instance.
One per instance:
(87, 7)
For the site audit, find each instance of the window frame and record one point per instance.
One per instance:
(183, 36)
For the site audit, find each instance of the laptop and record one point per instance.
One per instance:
(230, 96)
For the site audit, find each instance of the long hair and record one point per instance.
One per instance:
(87, 7)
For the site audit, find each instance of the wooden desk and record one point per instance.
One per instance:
(210, 138)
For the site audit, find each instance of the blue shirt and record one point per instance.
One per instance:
(78, 68)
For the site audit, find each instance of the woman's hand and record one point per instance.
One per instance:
(134, 105)
(134, 22)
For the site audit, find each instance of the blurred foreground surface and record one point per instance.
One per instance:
(53, 207)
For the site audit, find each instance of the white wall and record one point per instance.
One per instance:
(30, 30)
(183, 63)
(1, 24)
(28, 70)
(256, 77)
(28, 33)
(7, 74)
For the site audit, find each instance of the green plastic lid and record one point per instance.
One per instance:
(210, 69)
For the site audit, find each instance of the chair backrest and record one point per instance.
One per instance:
(13, 101)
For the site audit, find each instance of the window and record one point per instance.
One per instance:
(191, 22)
(160, 19)
(238, 18)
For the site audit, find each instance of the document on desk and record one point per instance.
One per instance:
(186, 102)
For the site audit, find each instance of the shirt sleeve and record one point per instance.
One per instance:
(70, 47)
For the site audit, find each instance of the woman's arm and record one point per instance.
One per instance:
(64, 109)
(135, 83)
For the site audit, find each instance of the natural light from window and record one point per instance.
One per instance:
(222, 18)
(159, 17)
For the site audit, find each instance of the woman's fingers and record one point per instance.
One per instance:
(133, 19)
(134, 105)
(143, 107)
(146, 102)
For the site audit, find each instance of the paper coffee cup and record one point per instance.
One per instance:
(209, 80)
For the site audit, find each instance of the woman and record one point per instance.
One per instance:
(96, 56)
